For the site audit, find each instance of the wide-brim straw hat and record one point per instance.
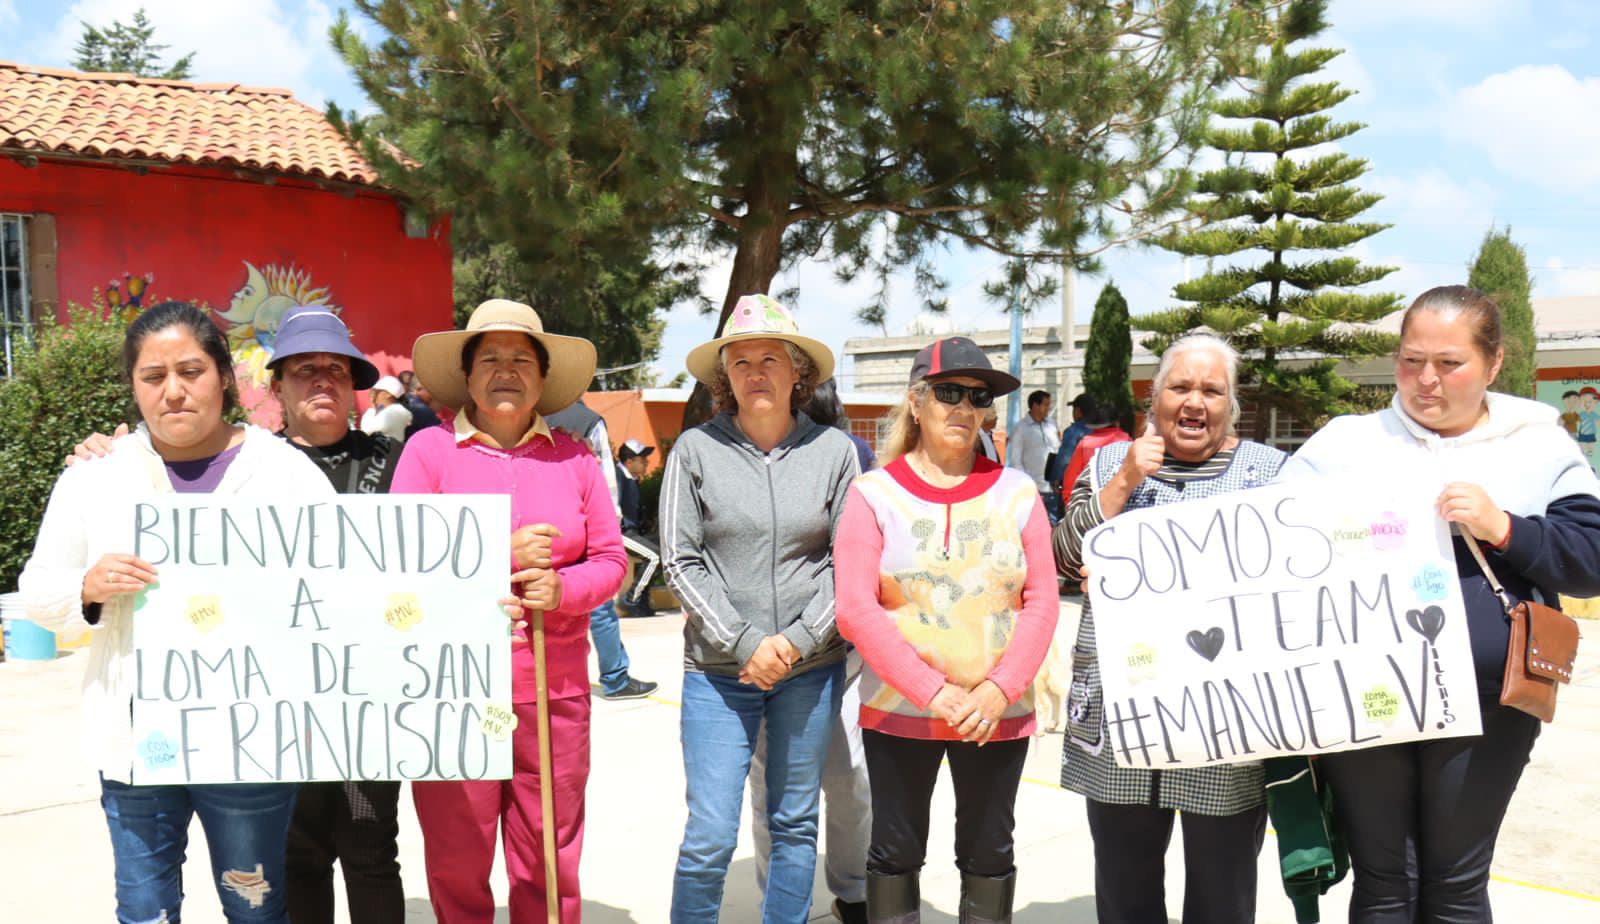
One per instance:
(436, 357)
(757, 317)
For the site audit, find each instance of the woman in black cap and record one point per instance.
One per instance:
(945, 584)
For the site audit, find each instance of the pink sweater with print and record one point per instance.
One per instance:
(954, 584)
(548, 482)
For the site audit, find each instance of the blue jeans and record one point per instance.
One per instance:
(1053, 507)
(246, 825)
(721, 721)
(607, 633)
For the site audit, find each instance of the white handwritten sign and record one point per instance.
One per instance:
(356, 637)
(1290, 619)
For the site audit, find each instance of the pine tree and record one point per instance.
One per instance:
(868, 132)
(1296, 207)
(1501, 270)
(618, 305)
(1109, 354)
(127, 49)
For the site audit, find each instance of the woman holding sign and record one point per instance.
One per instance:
(945, 586)
(1421, 819)
(1188, 452)
(504, 373)
(80, 576)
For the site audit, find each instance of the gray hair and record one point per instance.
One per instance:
(805, 370)
(1189, 343)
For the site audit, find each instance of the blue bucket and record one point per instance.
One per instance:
(24, 640)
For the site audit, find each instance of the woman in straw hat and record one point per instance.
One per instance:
(503, 374)
(748, 510)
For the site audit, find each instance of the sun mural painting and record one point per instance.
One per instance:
(251, 319)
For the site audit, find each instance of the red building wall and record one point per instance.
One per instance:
(196, 229)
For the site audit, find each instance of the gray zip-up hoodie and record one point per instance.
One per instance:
(747, 541)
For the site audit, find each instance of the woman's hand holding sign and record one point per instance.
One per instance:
(116, 574)
(1469, 505)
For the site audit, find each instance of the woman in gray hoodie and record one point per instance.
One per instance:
(748, 510)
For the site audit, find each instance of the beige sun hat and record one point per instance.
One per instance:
(436, 357)
(758, 317)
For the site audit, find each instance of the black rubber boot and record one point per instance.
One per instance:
(987, 899)
(894, 899)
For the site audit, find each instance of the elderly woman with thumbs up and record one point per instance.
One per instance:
(1189, 452)
(504, 373)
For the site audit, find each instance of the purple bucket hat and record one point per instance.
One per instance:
(315, 329)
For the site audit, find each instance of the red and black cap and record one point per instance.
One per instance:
(960, 356)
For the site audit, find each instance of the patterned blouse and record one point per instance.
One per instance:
(1087, 766)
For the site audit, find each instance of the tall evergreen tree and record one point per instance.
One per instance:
(1109, 354)
(1501, 270)
(127, 49)
(618, 304)
(1294, 207)
(868, 132)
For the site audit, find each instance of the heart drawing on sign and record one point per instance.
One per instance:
(1427, 621)
(1207, 644)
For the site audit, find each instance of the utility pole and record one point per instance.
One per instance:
(1013, 406)
(1069, 340)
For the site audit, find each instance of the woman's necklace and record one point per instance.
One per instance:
(931, 473)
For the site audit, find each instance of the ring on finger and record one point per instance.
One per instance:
(984, 722)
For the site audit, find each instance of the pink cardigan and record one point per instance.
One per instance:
(953, 584)
(557, 482)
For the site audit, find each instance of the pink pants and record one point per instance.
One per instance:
(459, 822)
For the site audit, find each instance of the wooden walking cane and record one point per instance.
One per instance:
(547, 814)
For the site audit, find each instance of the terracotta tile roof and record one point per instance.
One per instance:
(122, 117)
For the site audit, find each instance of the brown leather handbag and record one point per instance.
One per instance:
(1541, 653)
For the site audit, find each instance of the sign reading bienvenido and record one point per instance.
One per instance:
(353, 637)
(1289, 619)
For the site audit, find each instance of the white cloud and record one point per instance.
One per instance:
(1555, 278)
(8, 12)
(1347, 69)
(1540, 124)
(274, 43)
(1433, 200)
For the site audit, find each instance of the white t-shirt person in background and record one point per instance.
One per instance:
(1035, 439)
(387, 415)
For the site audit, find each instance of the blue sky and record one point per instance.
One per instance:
(1480, 113)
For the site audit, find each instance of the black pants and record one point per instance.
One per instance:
(356, 823)
(1219, 864)
(645, 549)
(902, 773)
(1421, 819)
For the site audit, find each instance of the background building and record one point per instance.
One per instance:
(1568, 367)
(122, 191)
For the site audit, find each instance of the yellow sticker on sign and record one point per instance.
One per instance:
(204, 612)
(499, 721)
(402, 611)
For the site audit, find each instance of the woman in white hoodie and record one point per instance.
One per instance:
(80, 575)
(1421, 819)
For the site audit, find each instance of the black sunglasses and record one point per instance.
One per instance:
(952, 393)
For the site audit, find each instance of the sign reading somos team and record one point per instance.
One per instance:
(1288, 619)
(354, 637)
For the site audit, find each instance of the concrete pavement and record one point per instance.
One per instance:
(55, 862)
